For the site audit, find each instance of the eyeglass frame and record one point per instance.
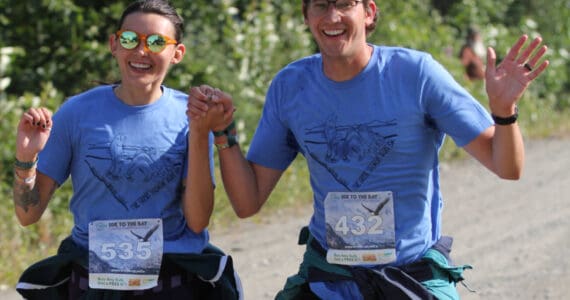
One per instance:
(334, 3)
(143, 38)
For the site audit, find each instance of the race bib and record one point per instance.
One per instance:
(360, 228)
(125, 254)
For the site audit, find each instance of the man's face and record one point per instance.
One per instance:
(339, 28)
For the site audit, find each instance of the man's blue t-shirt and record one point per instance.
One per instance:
(125, 162)
(378, 132)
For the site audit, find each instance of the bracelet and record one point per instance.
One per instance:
(232, 140)
(25, 180)
(25, 165)
(508, 120)
(231, 137)
(227, 130)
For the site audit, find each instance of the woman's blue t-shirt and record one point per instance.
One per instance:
(125, 162)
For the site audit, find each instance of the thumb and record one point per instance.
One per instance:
(491, 61)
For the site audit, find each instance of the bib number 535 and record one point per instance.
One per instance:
(125, 251)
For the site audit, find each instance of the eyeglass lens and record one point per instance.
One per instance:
(130, 40)
(321, 6)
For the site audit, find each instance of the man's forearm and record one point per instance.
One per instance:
(508, 151)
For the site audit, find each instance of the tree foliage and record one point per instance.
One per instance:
(52, 49)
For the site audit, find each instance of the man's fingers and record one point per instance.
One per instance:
(539, 70)
(515, 49)
(224, 99)
(529, 50)
(533, 61)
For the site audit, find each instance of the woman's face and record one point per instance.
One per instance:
(139, 67)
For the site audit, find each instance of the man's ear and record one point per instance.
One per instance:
(371, 11)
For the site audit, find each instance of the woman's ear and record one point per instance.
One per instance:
(304, 9)
(113, 44)
(178, 54)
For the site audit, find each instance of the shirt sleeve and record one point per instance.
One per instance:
(456, 112)
(273, 144)
(55, 159)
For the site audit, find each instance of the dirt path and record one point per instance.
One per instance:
(515, 234)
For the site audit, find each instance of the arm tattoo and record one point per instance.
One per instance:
(26, 197)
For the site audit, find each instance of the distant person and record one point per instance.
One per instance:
(370, 121)
(140, 211)
(472, 54)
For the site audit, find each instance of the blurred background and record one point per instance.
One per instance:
(53, 49)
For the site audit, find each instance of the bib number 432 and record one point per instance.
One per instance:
(360, 225)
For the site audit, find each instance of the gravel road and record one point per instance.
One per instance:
(516, 234)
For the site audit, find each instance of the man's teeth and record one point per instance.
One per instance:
(140, 66)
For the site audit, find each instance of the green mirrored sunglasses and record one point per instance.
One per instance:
(154, 43)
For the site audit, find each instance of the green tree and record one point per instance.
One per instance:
(63, 42)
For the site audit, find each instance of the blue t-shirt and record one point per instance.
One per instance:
(125, 162)
(380, 131)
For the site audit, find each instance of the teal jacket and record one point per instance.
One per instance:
(441, 283)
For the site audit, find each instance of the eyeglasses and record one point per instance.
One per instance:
(154, 43)
(320, 7)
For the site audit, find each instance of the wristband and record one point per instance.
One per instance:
(227, 130)
(508, 120)
(231, 137)
(25, 180)
(25, 165)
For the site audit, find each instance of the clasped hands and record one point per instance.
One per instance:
(209, 108)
